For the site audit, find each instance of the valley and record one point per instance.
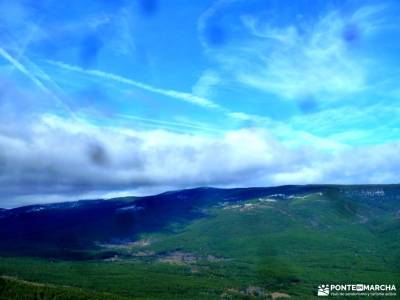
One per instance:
(260, 243)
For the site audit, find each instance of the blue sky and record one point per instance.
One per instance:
(104, 98)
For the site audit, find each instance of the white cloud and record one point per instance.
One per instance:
(113, 77)
(204, 85)
(294, 64)
(67, 156)
(298, 59)
(60, 157)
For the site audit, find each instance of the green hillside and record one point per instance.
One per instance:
(259, 248)
(13, 288)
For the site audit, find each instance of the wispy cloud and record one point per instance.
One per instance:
(204, 85)
(353, 125)
(299, 64)
(187, 97)
(34, 78)
(302, 58)
(20, 67)
(181, 126)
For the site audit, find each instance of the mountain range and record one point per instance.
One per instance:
(206, 243)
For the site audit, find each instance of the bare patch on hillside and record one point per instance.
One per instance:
(184, 258)
(277, 295)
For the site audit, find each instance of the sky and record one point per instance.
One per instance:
(101, 98)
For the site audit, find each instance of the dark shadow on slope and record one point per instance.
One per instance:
(72, 230)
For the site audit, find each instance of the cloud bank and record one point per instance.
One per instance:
(64, 157)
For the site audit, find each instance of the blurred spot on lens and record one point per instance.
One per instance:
(215, 35)
(148, 7)
(351, 33)
(90, 48)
